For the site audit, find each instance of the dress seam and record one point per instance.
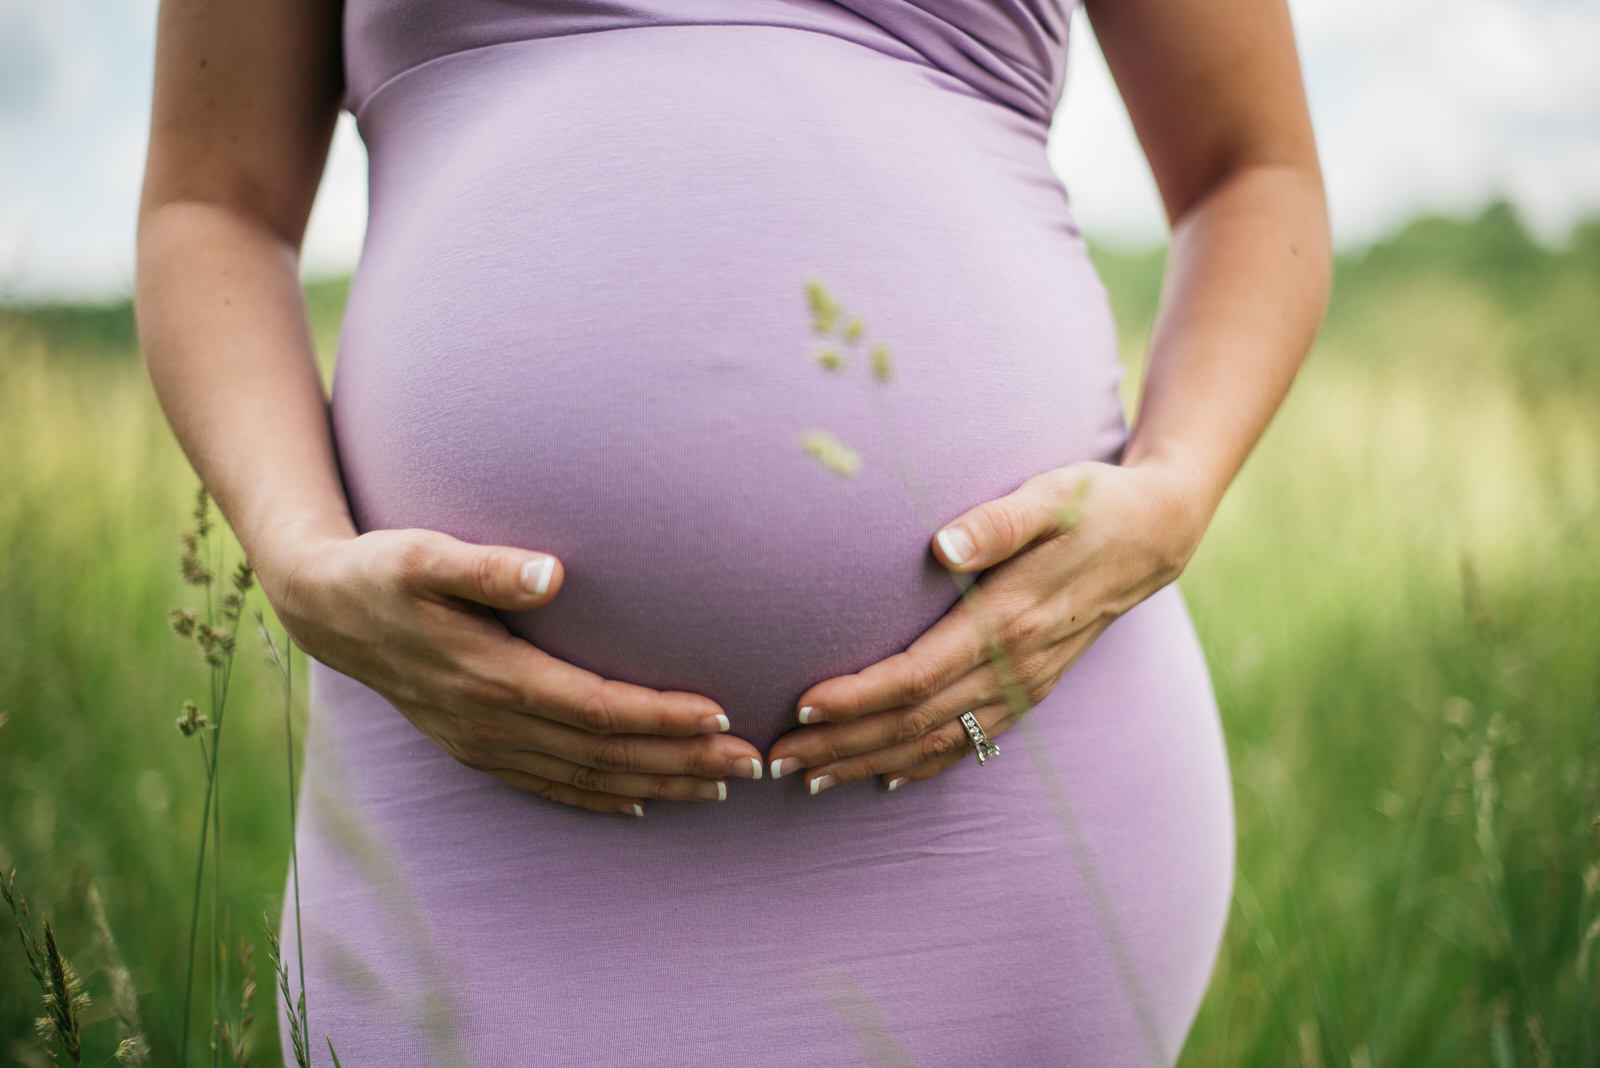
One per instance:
(910, 55)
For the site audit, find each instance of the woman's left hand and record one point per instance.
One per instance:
(1067, 553)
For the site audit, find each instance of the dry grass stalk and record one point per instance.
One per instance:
(132, 1049)
(866, 1021)
(435, 1005)
(215, 635)
(294, 1007)
(225, 1040)
(59, 986)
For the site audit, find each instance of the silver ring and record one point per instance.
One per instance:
(980, 741)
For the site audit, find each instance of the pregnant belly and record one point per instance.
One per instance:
(579, 326)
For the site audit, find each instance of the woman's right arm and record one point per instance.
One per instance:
(246, 96)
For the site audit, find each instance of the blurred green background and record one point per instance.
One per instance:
(1399, 601)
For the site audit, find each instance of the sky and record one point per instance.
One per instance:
(1419, 105)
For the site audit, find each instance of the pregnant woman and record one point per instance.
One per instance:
(561, 564)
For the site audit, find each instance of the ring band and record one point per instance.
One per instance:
(980, 741)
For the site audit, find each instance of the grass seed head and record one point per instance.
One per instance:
(191, 562)
(830, 452)
(132, 1049)
(182, 620)
(298, 1038)
(1071, 512)
(824, 309)
(64, 999)
(247, 992)
(202, 512)
(191, 720)
(882, 362)
(830, 358)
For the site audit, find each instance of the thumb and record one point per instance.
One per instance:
(999, 529)
(495, 575)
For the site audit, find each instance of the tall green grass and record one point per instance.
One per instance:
(1399, 600)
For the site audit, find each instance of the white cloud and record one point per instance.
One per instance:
(339, 216)
(73, 125)
(1428, 105)
(1093, 148)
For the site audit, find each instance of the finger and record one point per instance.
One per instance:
(999, 529)
(929, 768)
(942, 654)
(495, 575)
(540, 685)
(615, 783)
(568, 795)
(704, 757)
(945, 740)
(825, 743)
(926, 770)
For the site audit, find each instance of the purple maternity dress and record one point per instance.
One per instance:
(579, 325)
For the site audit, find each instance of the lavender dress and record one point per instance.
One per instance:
(578, 325)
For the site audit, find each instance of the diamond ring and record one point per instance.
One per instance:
(980, 741)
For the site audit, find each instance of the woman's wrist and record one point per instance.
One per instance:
(1184, 493)
(279, 549)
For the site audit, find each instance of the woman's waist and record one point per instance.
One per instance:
(1135, 711)
(724, 560)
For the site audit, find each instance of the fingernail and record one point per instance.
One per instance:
(821, 783)
(784, 765)
(536, 574)
(638, 809)
(956, 544)
(745, 767)
(896, 782)
(810, 714)
(711, 724)
(711, 791)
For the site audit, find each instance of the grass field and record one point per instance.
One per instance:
(1399, 600)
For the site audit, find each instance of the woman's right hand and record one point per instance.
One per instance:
(407, 613)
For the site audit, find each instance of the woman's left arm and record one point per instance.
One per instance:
(1214, 91)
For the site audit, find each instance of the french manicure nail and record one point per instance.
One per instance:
(711, 791)
(821, 783)
(745, 767)
(638, 809)
(956, 543)
(712, 724)
(784, 765)
(536, 574)
(896, 782)
(810, 714)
